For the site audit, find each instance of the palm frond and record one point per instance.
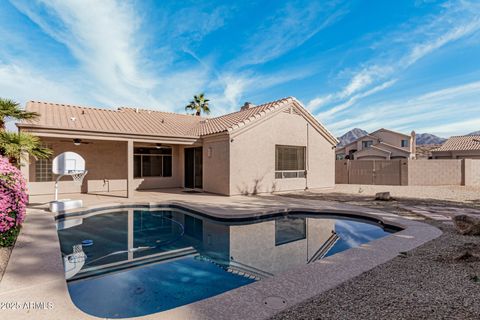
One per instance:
(16, 144)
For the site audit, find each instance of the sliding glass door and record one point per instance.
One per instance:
(193, 168)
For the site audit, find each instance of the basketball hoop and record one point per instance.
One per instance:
(77, 177)
(69, 164)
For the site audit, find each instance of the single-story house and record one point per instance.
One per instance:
(459, 147)
(382, 144)
(276, 146)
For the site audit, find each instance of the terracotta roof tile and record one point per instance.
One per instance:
(460, 143)
(147, 122)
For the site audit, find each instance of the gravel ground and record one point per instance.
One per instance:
(4, 255)
(439, 280)
(469, 194)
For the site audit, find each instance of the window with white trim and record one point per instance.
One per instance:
(152, 162)
(43, 168)
(289, 162)
(367, 143)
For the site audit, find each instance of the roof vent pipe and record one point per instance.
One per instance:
(247, 106)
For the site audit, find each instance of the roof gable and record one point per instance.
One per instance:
(391, 131)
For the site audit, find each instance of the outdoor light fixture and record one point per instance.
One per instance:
(158, 145)
(209, 152)
(77, 142)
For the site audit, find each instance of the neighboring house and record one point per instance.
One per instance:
(424, 152)
(382, 144)
(459, 147)
(276, 146)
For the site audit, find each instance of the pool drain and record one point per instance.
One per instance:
(275, 302)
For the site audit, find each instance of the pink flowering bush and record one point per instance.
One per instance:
(13, 202)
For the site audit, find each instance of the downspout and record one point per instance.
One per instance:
(307, 167)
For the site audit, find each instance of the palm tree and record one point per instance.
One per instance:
(198, 104)
(11, 109)
(15, 144)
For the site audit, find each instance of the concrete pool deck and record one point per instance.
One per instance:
(35, 271)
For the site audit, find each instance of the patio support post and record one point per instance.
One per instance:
(25, 166)
(130, 169)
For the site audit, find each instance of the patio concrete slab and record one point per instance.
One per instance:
(35, 270)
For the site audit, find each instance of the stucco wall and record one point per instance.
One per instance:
(106, 162)
(409, 172)
(391, 138)
(216, 164)
(434, 172)
(473, 154)
(252, 156)
(472, 172)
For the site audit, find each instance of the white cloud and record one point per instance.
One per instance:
(458, 21)
(20, 83)
(440, 107)
(458, 127)
(341, 107)
(289, 28)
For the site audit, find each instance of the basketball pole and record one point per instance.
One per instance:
(56, 186)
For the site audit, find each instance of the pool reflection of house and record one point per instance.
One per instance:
(275, 146)
(263, 248)
(257, 249)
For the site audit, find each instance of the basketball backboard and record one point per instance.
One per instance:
(68, 163)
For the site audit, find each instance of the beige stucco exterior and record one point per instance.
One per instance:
(237, 161)
(252, 160)
(460, 154)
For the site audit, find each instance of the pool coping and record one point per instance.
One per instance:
(259, 300)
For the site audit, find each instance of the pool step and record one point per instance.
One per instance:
(237, 268)
(134, 263)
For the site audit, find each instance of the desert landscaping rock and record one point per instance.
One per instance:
(383, 196)
(439, 280)
(467, 224)
(433, 281)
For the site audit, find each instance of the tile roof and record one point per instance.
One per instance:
(146, 122)
(236, 119)
(460, 143)
(122, 120)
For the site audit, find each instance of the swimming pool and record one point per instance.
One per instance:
(138, 261)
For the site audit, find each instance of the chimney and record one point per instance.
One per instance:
(247, 106)
(413, 145)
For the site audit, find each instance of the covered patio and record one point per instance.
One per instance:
(118, 166)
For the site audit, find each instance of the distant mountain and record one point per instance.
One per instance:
(474, 133)
(427, 138)
(351, 136)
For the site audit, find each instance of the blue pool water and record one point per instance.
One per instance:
(142, 262)
(153, 288)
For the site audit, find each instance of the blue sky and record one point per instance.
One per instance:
(398, 64)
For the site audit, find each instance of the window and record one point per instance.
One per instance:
(367, 143)
(152, 162)
(43, 167)
(405, 143)
(43, 170)
(289, 230)
(289, 162)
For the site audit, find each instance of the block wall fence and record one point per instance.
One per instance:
(458, 172)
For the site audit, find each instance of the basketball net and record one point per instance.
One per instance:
(78, 176)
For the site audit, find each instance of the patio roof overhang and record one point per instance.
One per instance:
(49, 132)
